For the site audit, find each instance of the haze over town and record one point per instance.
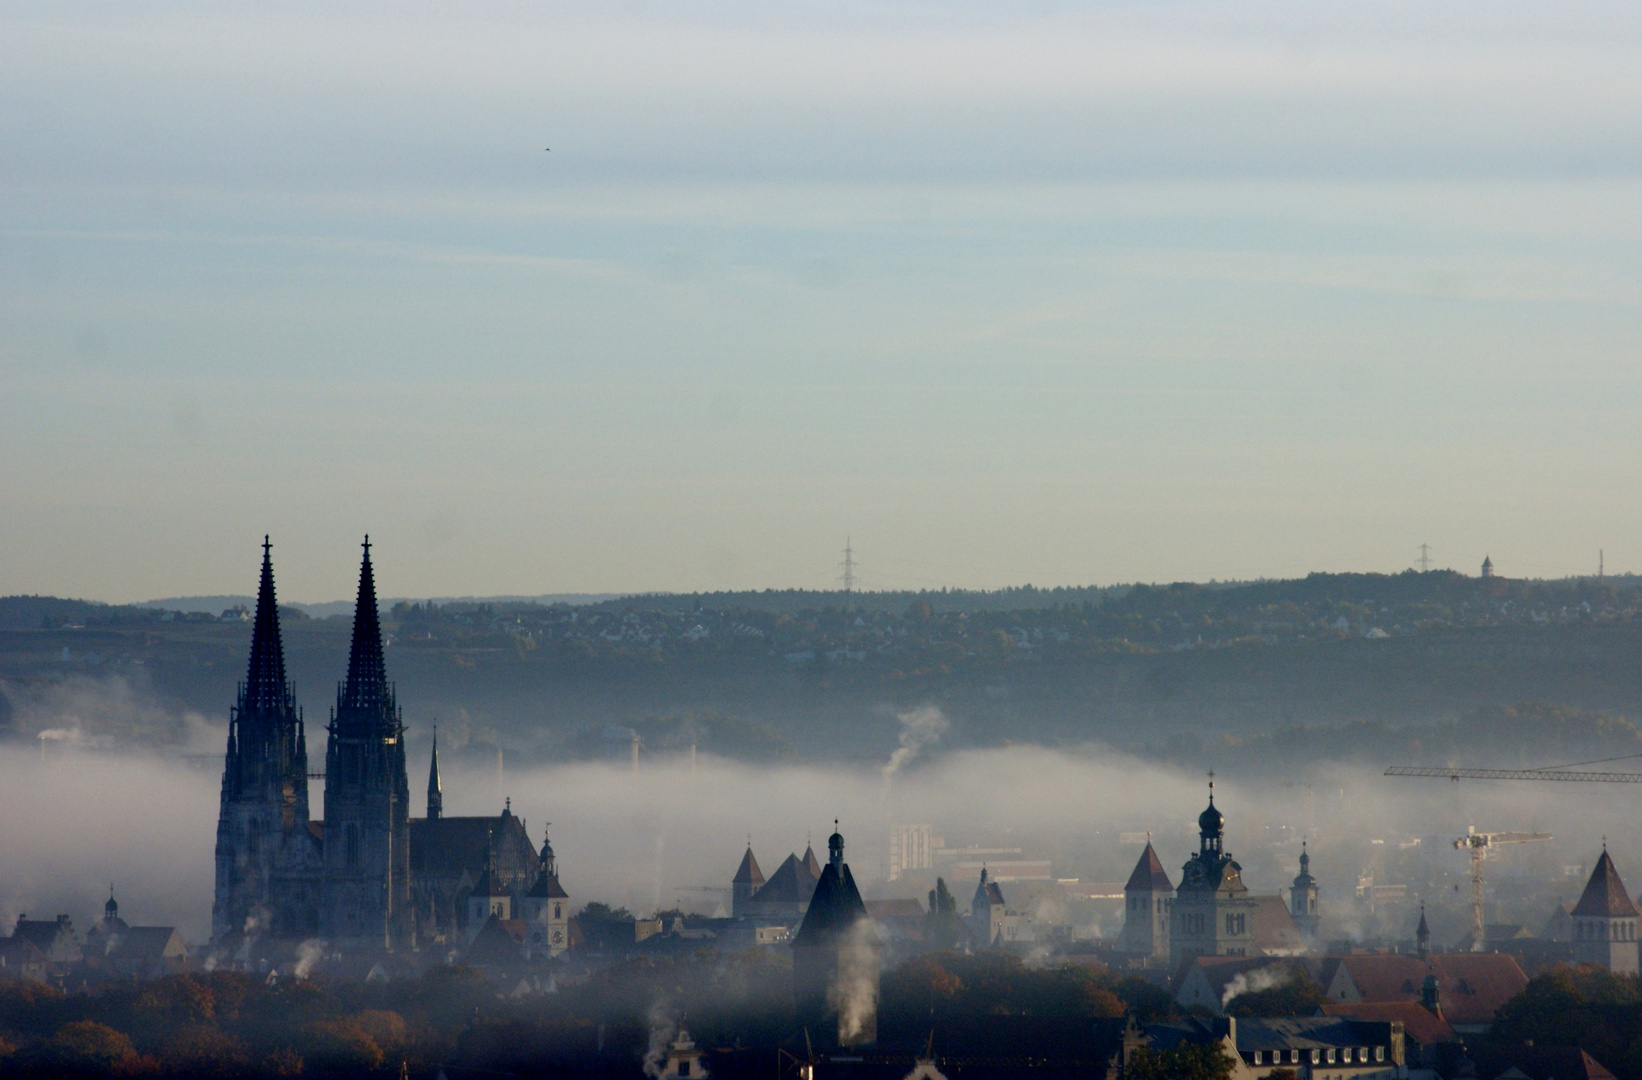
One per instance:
(885, 540)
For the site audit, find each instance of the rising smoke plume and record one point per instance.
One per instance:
(1252, 982)
(920, 728)
(855, 992)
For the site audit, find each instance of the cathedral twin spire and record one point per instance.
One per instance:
(266, 691)
(366, 699)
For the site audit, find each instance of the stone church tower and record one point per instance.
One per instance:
(1605, 921)
(266, 859)
(365, 893)
(1148, 904)
(1213, 915)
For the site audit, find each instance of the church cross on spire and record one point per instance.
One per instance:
(266, 690)
(366, 700)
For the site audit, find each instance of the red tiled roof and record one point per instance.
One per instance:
(1273, 925)
(1149, 875)
(1422, 1025)
(1471, 986)
(895, 909)
(748, 871)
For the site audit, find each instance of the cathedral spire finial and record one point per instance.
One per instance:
(266, 690)
(366, 699)
(436, 790)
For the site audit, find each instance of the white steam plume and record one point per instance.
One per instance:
(1252, 982)
(662, 1030)
(920, 728)
(308, 954)
(855, 992)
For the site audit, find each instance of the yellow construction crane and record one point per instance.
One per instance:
(1478, 843)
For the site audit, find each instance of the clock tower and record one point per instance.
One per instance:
(1213, 914)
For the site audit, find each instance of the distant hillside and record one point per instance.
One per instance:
(1175, 669)
(216, 605)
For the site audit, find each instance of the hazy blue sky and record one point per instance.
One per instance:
(1008, 292)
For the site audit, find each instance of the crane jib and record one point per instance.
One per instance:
(1517, 774)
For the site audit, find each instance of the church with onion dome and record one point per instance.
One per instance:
(1212, 912)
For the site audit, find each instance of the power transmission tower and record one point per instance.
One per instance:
(848, 567)
(1599, 554)
(1425, 558)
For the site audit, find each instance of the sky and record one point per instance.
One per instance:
(1002, 292)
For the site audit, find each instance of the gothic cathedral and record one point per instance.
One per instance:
(368, 876)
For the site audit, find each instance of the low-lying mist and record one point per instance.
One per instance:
(74, 819)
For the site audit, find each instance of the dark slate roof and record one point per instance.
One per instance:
(146, 943)
(811, 865)
(835, 907)
(487, 886)
(1605, 895)
(1306, 1032)
(41, 933)
(748, 871)
(498, 941)
(790, 884)
(547, 887)
(447, 846)
(1149, 875)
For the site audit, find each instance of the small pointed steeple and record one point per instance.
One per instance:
(266, 691)
(550, 865)
(1422, 935)
(436, 795)
(366, 700)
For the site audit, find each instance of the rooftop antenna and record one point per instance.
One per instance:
(1425, 558)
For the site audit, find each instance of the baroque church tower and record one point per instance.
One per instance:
(365, 896)
(265, 862)
(1213, 914)
(1303, 899)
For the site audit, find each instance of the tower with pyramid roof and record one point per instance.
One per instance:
(1148, 900)
(1605, 921)
(266, 860)
(365, 894)
(748, 880)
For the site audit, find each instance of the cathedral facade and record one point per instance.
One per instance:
(368, 875)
